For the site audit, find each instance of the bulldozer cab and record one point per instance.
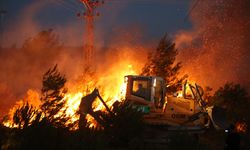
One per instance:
(145, 90)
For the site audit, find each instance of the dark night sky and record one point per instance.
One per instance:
(152, 18)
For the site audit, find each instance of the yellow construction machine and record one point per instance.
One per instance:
(185, 110)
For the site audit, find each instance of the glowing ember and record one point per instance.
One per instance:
(241, 127)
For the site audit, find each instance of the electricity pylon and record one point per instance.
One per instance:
(89, 15)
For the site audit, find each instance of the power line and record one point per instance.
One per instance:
(191, 10)
(75, 2)
(72, 4)
(65, 5)
(68, 4)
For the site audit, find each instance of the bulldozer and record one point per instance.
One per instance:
(185, 110)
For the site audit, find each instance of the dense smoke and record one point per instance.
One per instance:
(217, 49)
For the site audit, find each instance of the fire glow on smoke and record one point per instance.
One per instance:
(111, 87)
(213, 52)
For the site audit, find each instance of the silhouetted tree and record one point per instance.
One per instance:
(125, 125)
(162, 63)
(234, 98)
(26, 115)
(43, 40)
(53, 92)
(41, 49)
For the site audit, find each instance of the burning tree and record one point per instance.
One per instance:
(51, 112)
(26, 115)
(162, 63)
(53, 92)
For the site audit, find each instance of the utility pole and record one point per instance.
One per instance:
(2, 15)
(89, 15)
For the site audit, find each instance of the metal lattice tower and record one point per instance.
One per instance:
(89, 15)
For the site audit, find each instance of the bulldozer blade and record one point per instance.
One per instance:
(218, 117)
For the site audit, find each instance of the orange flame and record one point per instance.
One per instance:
(241, 127)
(112, 88)
(32, 97)
(110, 84)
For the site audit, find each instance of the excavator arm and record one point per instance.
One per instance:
(85, 108)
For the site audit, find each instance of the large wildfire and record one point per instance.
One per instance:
(110, 82)
(215, 51)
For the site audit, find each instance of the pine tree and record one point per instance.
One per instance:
(53, 92)
(44, 40)
(162, 63)
(234, 98)
(26, 115)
